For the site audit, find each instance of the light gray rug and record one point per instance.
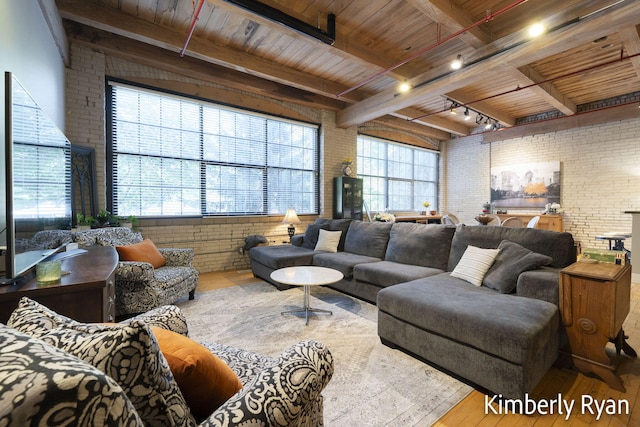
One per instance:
(372, 384)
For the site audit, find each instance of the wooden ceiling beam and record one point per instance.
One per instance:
(418, 129)
(135, 51)
(439, 81)
(526, 76)
(112, 20)
(631, 43)
(454, 19)
(410, 115)
(344, 47)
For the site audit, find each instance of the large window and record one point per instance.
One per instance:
(179, 156)
(397, 176)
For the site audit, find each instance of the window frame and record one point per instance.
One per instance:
(313, 201)
(388, 179)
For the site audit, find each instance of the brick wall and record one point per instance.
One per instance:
(216, 241)
(599, 166)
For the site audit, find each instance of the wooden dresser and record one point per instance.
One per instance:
(547, 222)
(86, 294)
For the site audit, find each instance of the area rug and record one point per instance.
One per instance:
(372, 385)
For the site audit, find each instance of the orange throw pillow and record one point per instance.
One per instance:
(144, 251)
(206, 382)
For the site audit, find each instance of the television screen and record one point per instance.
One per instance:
(37, 180)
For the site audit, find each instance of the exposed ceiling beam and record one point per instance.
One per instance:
(526, 76)
(119, 46)
(440, 81)
(631, 43)
(453, 19)
(344, 46)
(112, 20)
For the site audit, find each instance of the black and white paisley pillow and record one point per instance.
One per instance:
(128, 353)
(43, 385)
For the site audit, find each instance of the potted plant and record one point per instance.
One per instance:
(84, 222)
(104, 218)
(129, 221)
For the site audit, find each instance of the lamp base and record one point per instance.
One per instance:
(291, 230)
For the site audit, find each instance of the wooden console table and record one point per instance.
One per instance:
(594, 302)
(86, 294)
(547, 222)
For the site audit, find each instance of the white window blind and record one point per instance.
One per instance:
(41, 185)
(397, 176)
(179, 156)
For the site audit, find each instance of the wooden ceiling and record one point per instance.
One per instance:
(587, 54)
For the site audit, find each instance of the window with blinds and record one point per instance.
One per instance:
(397, 176)
(41, 155)
(173, 155)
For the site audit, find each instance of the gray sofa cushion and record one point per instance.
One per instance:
(387, 273)
(282, 256)
(507, 326)
(368, 238)
(344, 262)
(559, 246)
(512, 260)
(426, 245)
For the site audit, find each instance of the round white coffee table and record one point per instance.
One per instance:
(306, 276)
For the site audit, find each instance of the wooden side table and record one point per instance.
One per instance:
(86, 294)
(594, 302)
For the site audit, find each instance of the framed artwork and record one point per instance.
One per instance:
(525, 185)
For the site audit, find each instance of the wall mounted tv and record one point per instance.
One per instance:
(36, 182)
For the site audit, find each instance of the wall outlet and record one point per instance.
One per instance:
(241, 251)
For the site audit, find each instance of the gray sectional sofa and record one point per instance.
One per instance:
(502, 336)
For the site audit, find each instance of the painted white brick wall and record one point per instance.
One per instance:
(599, 167)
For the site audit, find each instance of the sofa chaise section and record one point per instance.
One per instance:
(504, 343)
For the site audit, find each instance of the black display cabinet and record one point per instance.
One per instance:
(347, 197)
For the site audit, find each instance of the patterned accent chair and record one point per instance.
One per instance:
(139, 286)
(42, 384)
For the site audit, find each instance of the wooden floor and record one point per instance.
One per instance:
(571, 385)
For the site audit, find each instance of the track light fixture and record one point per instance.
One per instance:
(481, 119)
(457, 63)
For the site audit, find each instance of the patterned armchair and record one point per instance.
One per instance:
(42, 382)
(139, 286)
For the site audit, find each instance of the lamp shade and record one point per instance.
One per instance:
(291, 217)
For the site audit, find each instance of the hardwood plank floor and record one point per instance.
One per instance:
(571, 384)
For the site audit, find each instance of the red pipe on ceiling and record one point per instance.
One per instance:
(487, 18)
(192, 28)
(519, 88)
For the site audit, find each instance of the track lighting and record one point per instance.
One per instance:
(404, 87)
(536, 30)
(479, 118)
(454, 108)
(457, 63)
(487, 124)
(467, 116)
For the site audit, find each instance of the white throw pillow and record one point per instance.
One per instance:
(474, 264)
(328, 241)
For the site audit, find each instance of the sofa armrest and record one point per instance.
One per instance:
(297, 239)
(272, 399)
(178, 257)
(168, 317)
(540, 284)
(134, 271)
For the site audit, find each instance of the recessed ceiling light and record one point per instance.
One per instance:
(537, 29)
(404, 87)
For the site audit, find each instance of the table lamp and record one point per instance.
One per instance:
(291, 218)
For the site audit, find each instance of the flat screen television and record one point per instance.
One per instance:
(36, 181)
